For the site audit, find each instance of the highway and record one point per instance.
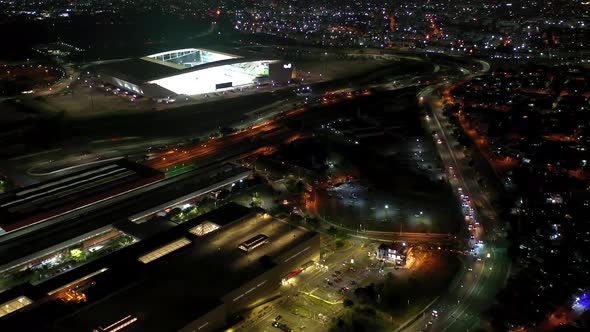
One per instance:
(173, 157)
(387, 236)
(475, 287)
(254, 138)
(60, 161)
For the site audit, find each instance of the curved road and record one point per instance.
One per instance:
(475, 287)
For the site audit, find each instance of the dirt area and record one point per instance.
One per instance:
(16, 79)
(335, 69)
(430, 261)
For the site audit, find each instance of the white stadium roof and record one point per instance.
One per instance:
(188, 71)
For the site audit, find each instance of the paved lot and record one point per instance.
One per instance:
(311, 299)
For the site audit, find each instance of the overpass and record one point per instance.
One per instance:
(442, 238)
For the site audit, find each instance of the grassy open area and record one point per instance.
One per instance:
(15, 79)
(395, 184)
(336, 69)
(398, 187)
(262, 195)
(389, 197)
(190, 121)
(347, 75)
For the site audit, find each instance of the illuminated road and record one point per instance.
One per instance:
(269, 132)
(178, 156)
(392, 236)
(474, 291)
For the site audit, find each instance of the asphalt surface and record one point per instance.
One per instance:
(28, 169)
(298, 309)
(472, 292)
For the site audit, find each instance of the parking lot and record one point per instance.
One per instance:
(89, 95)
(309, 300)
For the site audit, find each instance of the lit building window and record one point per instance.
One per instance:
(204, 228)
(14, 305)
(164, 250)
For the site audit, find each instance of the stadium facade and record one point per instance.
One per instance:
(192, 71)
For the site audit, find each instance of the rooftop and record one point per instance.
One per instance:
(192, 279)
(400, 247)
(24, 206)
(38, 241)
(166, 64)
(137, 70)
(186, 276)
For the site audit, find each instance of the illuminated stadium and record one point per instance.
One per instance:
(191, 71)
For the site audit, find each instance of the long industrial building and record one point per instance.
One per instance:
(26, 206)
(43, 251)
(192, 277)
(191, 71)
